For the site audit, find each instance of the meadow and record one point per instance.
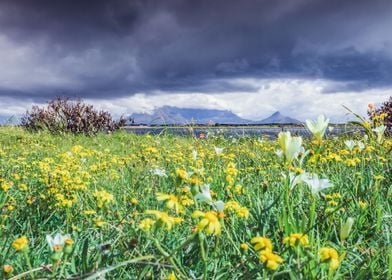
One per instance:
(125, 206)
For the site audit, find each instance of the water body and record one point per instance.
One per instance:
(204, 132)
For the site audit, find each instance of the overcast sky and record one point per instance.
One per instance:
(253, 57)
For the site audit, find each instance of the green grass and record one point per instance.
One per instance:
(49, 182)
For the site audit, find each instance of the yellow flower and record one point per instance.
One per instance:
(103, 198)
(362, 204)
(171, 276)
(146, 224)
(164, 218)
(330, 255)
(209, 222)
(21, 244)
(182, 174)
(8, 268)
(270, 259)
(261, 243)
(243, 212)
(296, 239)
(171, 201)
(244, 247)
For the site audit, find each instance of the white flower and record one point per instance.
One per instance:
(316, 184)
(57, 240)
(205, 194)
(218, 151)
(219, 205)
(330, 128)
(350, 144)
(380, 133)
(296, 179)
(318, 127)
(194, 154)
(159, 172)
(291, 146)
(360, 145)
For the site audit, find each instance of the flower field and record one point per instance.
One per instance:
(123, 206)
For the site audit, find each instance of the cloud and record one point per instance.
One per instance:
(113, 49)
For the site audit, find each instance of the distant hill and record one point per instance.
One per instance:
(278, 118)
(168, 115)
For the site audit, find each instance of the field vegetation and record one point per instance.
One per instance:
(123, 206)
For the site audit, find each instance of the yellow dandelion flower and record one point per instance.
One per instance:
(270, 259)
(171, 201)
(21, 244)
(164, 219)
(330, 255)
(209, 222)
(261, 243)
(146, 224)
(296, 239)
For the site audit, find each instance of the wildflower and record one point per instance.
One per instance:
(209, 222)
(219, 205)
(205, 194)
(261, 243)
(7, 269)
(218, 151)
(146, 224)
(164, 219)
(244, 247)
(318, 127)
(171, 201)
(103, 198)
(362, 204)
(291, 146)
(56, 243)
(316, 184)
(243, 212)
(270, 259)
(182, 174)
(134, 201)
(21, 244)
(380, 133)
(350, 144)
(159, 172)
(330, 255)
(346, 229)
(296, 239)
(68, 243)
(171, 276)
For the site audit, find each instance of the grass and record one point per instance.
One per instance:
(101, 190)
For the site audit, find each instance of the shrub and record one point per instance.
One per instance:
(70, 116)
(382, 115)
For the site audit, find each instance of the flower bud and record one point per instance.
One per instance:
(346, 229)
(7, 268)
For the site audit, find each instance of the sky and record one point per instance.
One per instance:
(253, 57)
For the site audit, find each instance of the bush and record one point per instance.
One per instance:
(382, 115)
(70, 116)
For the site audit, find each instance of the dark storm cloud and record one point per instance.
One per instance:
(106, 48)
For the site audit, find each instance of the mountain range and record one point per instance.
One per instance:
(169, 115)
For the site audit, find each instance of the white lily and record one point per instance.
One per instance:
(194, 155)
(291, 146)
(316, 184)
(350, 144)
(56, 241)
(218, 151)
(318, 127)
(360, 145)
(205, 194)
(380, 133)
(297, 179)
(159, 172)
(219, 205)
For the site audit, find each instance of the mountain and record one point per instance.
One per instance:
(278, 118)
(168, 115)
